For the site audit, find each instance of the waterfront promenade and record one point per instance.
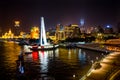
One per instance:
(106, 69)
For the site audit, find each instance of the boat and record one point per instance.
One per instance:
(45, 47)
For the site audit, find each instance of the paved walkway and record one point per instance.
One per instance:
(106, 69)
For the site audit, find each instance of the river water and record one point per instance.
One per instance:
(59, 64)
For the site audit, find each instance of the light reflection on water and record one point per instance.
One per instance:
(62, 63)
(59, 64)
(8, 55)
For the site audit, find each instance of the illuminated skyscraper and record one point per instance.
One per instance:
(17, 28)
(43, 40)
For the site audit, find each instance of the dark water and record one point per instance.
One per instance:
(59, 64)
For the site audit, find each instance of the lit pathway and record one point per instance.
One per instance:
(106, 69)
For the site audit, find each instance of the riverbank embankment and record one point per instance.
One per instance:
(95, 47)
(106, 69)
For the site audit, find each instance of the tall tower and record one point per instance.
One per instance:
(17, 28)
(43, 40)
(82, 22)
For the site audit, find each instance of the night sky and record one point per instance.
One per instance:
(28, 12)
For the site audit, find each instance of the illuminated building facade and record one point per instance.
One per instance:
(69, 31)
(34, 33)
(8, 35)
(76, 31)
(51, 34)
(60, 35)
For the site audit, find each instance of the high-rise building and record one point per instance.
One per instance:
(68, 31)
(17, 28)
(60, 35)
(74, 31)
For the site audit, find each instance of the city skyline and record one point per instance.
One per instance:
(94, 12)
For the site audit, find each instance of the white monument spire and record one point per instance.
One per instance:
(43, 40)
